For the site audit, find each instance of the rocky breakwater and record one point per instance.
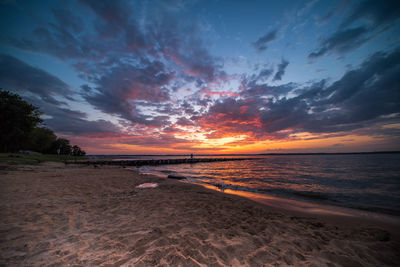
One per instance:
(142, 162)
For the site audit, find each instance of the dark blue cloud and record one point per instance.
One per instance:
(16, 75)
(42, 90)
(281, 70)
(365, 21)
(342, 41)
(375, 13)
(264, 74)
(73, 122)
(253, 89)
(261, 43)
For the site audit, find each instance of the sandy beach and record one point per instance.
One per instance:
(67, 215)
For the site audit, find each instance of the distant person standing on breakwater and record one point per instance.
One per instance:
(191, 156)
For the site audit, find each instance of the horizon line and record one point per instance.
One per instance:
(257, 154)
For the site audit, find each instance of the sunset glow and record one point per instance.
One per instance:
(208, 77)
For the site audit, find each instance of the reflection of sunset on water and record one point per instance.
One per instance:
(352, 181)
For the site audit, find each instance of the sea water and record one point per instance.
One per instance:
(361, 181)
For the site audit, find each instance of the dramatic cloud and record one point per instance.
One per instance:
(231, 117)
(117, 38)
(116, 89)
(359, 96)
(128, 64)
(165, 53)
(261, 43)
(362, 97)
(18, 76)
(374, 18)
(152, 74)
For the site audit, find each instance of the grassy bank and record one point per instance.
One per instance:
(17, 158)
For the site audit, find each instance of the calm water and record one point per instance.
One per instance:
(367, 182)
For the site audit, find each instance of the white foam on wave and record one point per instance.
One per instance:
(146, 170)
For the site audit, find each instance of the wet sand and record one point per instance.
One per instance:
(52, 214)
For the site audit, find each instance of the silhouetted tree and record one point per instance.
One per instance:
(77, 151)
(17, 120)
(19, 129)
(41, 140)
(63, 145)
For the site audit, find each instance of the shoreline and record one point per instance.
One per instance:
(294, 205)
(310, 208)
(343, 216)
(56, 214)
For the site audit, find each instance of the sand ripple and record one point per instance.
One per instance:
(75, 215)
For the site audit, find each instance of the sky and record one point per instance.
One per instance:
(208, 77)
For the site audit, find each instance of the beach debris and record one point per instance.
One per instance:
(178, 177)
(147, 185)
(220, 185)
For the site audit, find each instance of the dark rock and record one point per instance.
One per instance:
(178, 177)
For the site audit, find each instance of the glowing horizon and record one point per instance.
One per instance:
(208, 77)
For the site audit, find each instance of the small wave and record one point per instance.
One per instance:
(145, 170)
(167, 171)
(223, 186)
(357, 181)
(312, 195)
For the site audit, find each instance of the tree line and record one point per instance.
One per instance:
(21, 129)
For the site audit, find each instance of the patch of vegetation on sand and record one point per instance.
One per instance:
(17, 158)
